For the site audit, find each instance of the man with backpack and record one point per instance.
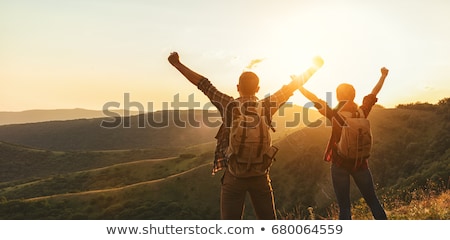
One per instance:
(350, 144)
(244, 148)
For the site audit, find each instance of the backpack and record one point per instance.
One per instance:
(250, 151)
(355, 142)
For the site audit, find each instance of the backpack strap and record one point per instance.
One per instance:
(228, 115)
(266, 107)
(261, 128)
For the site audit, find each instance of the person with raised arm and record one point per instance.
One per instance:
(234, 187)
(342, 166)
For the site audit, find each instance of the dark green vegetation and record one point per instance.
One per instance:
(85, 172)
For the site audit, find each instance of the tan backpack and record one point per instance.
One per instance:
(356, 136)
(250, 151)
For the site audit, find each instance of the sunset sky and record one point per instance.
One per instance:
(59, 54)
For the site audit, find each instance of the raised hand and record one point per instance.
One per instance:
(384, 71)
(192, 76)
(318, 61)
(173, 58)
(377, 88)
(303, 78)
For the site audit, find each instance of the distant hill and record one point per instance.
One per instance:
(33, 116)
(157, 129)
(110, 133)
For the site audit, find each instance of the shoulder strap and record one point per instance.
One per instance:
(267, 114)
(261, 127)
(228, 116)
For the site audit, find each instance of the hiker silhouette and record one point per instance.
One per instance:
(342, 166)
(235, 181)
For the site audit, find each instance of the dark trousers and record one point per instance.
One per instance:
(234, 191)
(364, 181)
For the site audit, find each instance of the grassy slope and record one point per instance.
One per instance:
(19, 163)
(117, 175)
(300, 177)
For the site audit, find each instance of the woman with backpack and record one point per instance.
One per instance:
(357, 146)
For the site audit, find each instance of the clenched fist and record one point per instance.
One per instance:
(173, 58)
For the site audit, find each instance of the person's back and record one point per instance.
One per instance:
(353, 136)
(343, 166)
(234, 188)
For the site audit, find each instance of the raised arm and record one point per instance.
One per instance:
(321, 105)
(304, 77)
(281, 96)
(377, 88)
(192, 76)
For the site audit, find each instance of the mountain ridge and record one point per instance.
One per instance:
(45, 115)
(156, 129)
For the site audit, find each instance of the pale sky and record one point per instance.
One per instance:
(58, 54)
